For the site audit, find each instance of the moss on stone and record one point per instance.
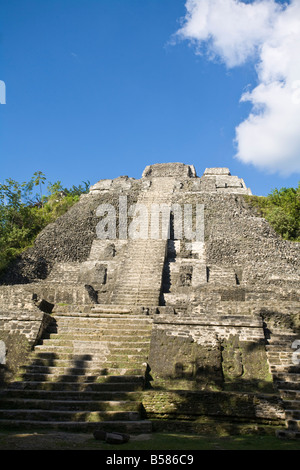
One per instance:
(18, 349)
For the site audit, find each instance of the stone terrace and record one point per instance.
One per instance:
(139, 332)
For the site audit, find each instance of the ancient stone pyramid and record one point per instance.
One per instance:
(159, 303)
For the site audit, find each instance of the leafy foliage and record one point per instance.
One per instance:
(23, 214)
(281, 209)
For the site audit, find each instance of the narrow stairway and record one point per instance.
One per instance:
(87, 374)
(139, 279)
(141, 274)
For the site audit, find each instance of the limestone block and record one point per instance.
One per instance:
(92, 272)
(122, 183)
(228, 182)
(221, 180)
(197, 185)
(217, 171)
(175, 170)
(111, 438)
(106, 249)
(102, 185)
(185, 275)
(197, 249)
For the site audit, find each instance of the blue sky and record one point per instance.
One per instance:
(97, 89)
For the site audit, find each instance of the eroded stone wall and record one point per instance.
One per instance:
(209, 352)
(219, 296)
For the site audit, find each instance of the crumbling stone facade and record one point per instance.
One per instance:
(213, 302)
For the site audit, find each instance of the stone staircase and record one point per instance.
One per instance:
(141, 274)
(87, 374)
(139, 279)
(286, 376)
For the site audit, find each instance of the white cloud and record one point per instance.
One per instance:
(268, 33)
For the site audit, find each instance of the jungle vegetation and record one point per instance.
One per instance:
(26, 208)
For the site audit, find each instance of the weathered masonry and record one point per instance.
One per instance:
(159, 303)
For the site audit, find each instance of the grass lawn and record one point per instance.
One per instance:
(42, 440)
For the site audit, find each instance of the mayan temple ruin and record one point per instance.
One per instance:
(160, 303)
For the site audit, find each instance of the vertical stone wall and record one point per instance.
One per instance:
(20, 331)
(209, 353)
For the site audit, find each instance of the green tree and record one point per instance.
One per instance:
(23, 214)
(281, 208)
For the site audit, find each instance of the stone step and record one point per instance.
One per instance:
(281, 358)
(286, 343)
(54, 415)
(288, 394)
(91, 370)
(118, 310)
(284, 362)
(75, 386)
(139, 338)
(129, 359)
(135, 273)
(292, 414)
(98, 312)
(141, 321)
(140, 300)
(112, 363)
(283, 339)
(97, 330)
(72, 395)
(85, 361)
(110, 328)
(273, 348)
(279, 333)
(287, 377)
(280, 368)
(70, 405)
(95, 342)
(145, 288)
(97, 317)
(130, 427)
(75, 378)
(135, 265)
(99, 347)
(102, 320)
(137, 301)
(282, 385)
(139, 288)
(104, 364)
(153, 257)
(217, 320)
(291, 404)
(149, 299)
